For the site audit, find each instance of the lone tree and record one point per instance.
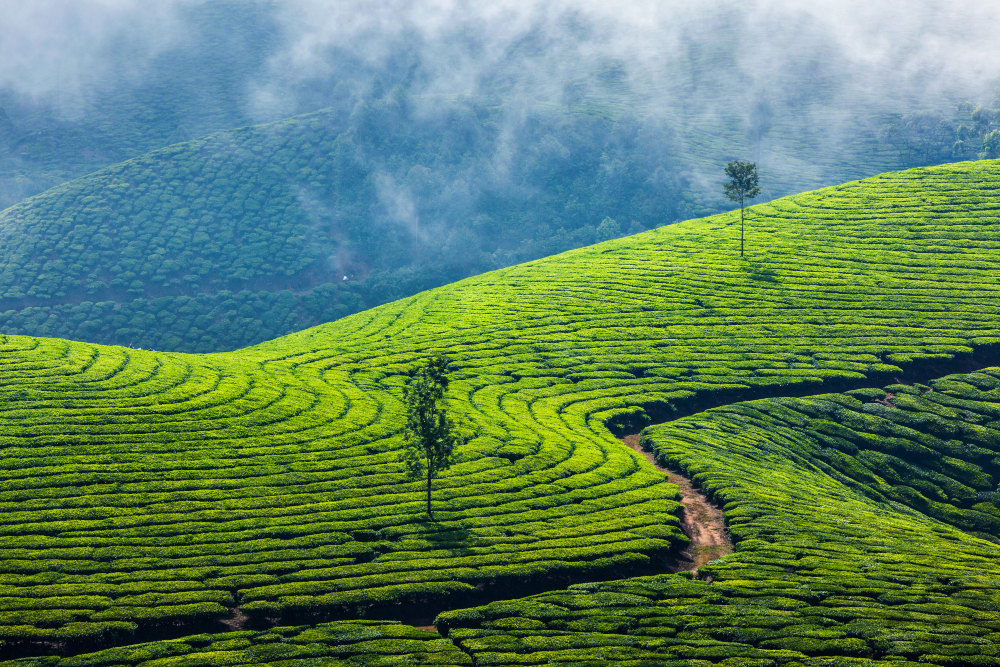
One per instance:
(431, 439)
(742, 186)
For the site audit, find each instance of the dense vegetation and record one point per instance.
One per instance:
(207, 234)
(242, 236)
(828, 562)
(236, 238)
(339, 644)
(146, 490)
(973, 131)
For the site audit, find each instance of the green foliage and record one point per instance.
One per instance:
(838, 555)
(928, 137)
(608, 229)
(430, 436)
(243, 236)
(741, 186)
(339, 644)
(156, 489)
(743, 181)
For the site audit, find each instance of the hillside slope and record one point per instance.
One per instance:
(243, 236)
(839, 505)
(246, 235)
(146, 489)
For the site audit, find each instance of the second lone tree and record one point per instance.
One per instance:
(430, 435)
(742, 186)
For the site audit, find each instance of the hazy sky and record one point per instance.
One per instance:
(77, 47)
(823, 72)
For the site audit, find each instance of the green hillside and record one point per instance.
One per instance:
(153, 492)
(840, 507)
(153, 233)
(243, 236)
(356, 643)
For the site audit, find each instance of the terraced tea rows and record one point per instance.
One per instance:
(145, 488)
(343, 644)
(828, 562)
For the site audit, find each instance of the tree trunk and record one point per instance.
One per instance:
(429, 513)
(741, 229)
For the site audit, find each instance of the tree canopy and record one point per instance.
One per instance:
(431, 437)
(742, 185)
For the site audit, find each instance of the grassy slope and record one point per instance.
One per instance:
(233, 239)
(338, 644)
(146, 487)
(826, 564)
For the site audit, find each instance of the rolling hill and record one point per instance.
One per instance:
(246, 235)
(848, 512)
(148, 493)
(243, 236)
(146, 229)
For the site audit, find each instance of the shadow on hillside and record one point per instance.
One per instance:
(918, 371)
(458, 541)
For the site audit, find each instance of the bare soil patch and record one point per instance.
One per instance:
(701, 521)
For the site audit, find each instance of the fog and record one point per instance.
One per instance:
(53, 50)
(461, 47)
(789, 83)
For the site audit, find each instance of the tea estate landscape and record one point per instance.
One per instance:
(832, 393)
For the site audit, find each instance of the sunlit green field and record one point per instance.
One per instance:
(148, 491)
(844, 511)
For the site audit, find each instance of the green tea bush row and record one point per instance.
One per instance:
(347, 643)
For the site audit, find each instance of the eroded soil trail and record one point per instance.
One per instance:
(701, 521)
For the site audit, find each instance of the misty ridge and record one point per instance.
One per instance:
(398, 146)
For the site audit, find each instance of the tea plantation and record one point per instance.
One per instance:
(242, 236)
(827, 562)
(147, 492)
(338, 644)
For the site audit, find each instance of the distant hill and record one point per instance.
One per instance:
(196, 87)
(244, 235)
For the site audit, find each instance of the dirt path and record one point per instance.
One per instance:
(702, 521)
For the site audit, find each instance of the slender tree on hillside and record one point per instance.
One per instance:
(742, 186)
(431, 437)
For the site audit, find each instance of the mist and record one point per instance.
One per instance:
(348, 154)
(781, 71)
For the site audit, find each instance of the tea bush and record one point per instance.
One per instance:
(344, 644)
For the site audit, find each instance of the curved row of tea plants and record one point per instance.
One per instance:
(150, 489)
(837, 504)
(154, 489)
(338, 644)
